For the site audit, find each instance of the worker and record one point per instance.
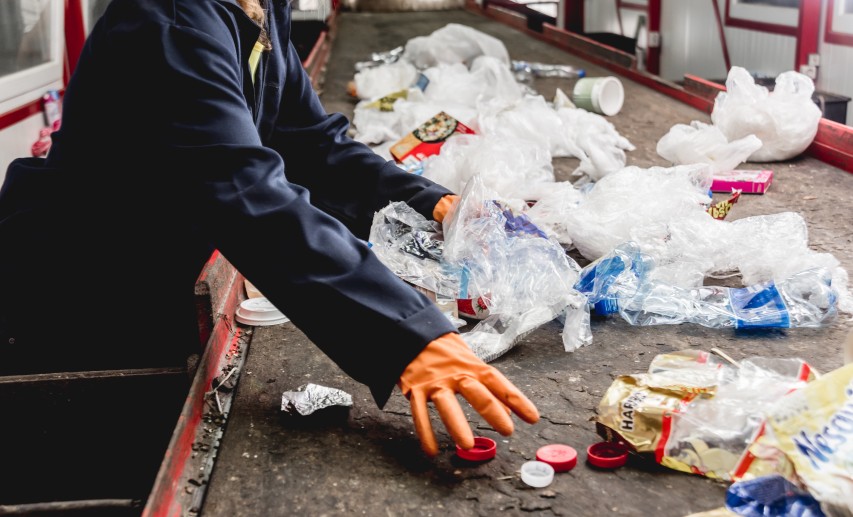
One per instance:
(191, 126)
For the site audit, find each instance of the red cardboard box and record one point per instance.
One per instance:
(748, 182)
(428, 138)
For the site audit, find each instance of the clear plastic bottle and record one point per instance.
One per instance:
(619, 282)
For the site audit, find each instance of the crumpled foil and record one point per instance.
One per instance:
(380, 58)
(526, 71)
(308, 398)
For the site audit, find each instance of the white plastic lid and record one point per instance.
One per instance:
(258, 312)
(537, 474)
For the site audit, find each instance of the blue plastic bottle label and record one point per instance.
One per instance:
(759, 306)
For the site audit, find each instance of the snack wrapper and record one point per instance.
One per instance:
(813, 428)
(720, 210)
(697, 414)
(427, 139)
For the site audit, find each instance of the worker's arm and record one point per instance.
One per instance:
(346, 178)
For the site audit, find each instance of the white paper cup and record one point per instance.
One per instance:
(604, 95)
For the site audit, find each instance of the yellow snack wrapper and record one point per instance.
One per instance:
(636, 412)
(813, 427)
(699, 415)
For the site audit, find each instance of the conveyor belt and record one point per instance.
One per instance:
(368, 461)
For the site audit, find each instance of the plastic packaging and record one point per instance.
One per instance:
(454, 43)
(523, 277)
(696, 413)
(771, 496)
(785, 120)
(412, 247)
(619, 283)
(373, 83)
(704, 143)
(812, 427)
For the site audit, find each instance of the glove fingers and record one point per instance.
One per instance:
(423, 428)
(489, 407)
(507, 393)
(454, 419)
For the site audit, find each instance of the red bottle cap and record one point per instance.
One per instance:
(562, 457)
(607, 455)
(483, 449)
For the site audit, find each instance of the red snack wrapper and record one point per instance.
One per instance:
(720, 210)
(428, 138)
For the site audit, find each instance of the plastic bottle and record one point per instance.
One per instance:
(619, 282)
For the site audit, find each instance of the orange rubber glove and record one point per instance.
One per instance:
(443, 207)
(446, 367)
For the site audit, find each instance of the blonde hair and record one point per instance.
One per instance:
(256, 12)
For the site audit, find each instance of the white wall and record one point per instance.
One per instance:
(691, 42)
(16, 140)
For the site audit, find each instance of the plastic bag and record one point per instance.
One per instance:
(785, 120)
(703, 143)
(454, 43)
(524, 277)
(375, 82)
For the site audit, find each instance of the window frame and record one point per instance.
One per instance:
(763, 18)
(20, 88)
(839, 25)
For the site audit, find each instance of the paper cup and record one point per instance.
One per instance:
(603, 95)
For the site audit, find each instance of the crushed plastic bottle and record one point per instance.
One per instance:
(618, 282)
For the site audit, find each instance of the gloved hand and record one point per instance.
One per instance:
(446, 367)
(443, 206)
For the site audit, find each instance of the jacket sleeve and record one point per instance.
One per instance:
(345, 177)
(307, 263)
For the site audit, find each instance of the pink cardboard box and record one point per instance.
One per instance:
(749, 182)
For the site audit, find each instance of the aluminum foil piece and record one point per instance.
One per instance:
(380, 58)
(525, 71)
(308, 398)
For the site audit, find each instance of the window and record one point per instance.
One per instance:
(775, 16)
(31, 47)
(839, 22)
(775, 3)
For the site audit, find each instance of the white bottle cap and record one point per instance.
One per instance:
(537, 474)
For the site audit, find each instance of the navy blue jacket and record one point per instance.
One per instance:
(168, 151)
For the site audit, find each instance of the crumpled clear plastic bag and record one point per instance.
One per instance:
(453, 43)
(375, 82)
(629, 198)
(512, 170)
(703, 143)
(413, 247)
(785, 120)
(524, 277)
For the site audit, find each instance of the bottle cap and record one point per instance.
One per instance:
(483, 449)
(537, 474)
(562, 457)
(607, 455)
